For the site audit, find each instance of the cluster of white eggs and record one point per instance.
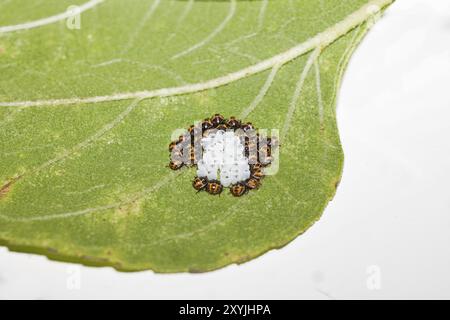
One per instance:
(223, 158)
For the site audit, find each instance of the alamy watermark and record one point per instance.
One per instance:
(73, 280)
(73, 22)
(373, 280)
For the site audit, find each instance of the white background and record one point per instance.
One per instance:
(387, 232)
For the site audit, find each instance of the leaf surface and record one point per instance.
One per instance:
(86, 116)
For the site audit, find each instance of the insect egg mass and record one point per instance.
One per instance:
(227, 154)
(223, 158)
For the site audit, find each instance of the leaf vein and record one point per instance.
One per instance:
(212, 35)
(298, 90)
(262, 93)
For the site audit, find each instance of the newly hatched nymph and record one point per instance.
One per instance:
(238, 190)
(199, 183)
(257, 174)
(175, 165)
(233, 123)
(252, 183)
(207, 124)
(172, 145)
(214, 187)
(217, 119)
(247, 127)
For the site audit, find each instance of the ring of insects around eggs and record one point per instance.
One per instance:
(227, 152)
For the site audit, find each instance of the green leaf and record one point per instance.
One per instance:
(86, 116)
